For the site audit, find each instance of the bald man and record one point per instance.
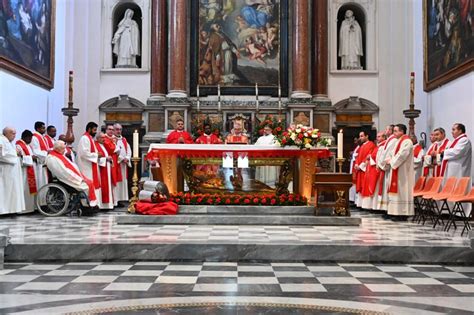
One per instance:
(11, 177)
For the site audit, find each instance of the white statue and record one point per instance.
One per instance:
(350, 43)
(126, 41)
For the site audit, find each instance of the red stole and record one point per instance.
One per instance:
(394, 180)
(426, 169)
(104, 177)
(95, 170)
(49, 142)
(30, 171)
(42, 142)
(416, 150)
(382, 172)
(116, 172)
(444, 164)
(365, 150)
(71, 167)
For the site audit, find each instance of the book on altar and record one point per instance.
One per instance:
(228, 160)
(27, 160)
(102, 162)
(243, 161)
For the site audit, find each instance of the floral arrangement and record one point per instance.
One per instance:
(198, 128)
(300, 136)
(278, 125)
(239, 200)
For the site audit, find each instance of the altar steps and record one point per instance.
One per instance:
(241, 215)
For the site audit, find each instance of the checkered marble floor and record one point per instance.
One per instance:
(421, 287)
(102, 228)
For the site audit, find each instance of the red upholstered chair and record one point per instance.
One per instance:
(459, 197)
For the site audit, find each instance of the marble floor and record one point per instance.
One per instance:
(235, 288)
(102, 228)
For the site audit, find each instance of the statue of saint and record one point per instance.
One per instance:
(350, 43)
(126, 41)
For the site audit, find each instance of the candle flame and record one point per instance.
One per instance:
(340, 131)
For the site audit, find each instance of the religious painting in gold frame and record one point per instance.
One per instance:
(238, 43)
(448, 39)
(27, 39)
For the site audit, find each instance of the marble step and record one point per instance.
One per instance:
(252, 210)
(237, 219)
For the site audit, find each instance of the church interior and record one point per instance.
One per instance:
(236, 156)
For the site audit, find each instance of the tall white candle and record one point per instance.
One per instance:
(219, 98)
(256, 96)
(279, 97)
(198, 104)
(135, 144)
(340, 140)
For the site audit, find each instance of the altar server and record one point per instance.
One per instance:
(361, 163)
(208, 137)
(385, 168)
(402, 176)
(124, 156)
(106, 200)
(179, 135)
(428, 165)
(267, 174)
(457, 157)
(418, 154)
(49, 137)
(11, 181)
(28, 170)
(69, 173)
(369, 190)
(40, 150)
(440, 147)
(88, 156)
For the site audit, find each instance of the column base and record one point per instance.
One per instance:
(300, 94)
(177, 94)
(157, 97)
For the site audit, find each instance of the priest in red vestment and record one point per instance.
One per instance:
(418, 154)
(110, 144)
(441, 146)
(179, 135)
(428, 165)
(237, 135)
(49, 137)
(28, 170)
(361, 163)
(106, 200)
(208, 137)
(372, 176)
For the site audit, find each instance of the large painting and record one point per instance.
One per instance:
(238, 43)
(448, 40)
(27, 39)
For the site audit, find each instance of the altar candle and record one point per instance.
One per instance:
(412, 88)
(340, 139)
(256, 96)
(135, 144)
(279, 97)
(198, 103)
(219, 108)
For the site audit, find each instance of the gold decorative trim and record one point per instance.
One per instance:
(214, 304)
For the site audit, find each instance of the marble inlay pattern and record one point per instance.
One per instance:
(238, 288)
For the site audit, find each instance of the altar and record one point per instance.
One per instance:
(180, 163)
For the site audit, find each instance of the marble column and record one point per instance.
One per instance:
(159, 49)
(300, 49)
(320, 51)
(177, 48)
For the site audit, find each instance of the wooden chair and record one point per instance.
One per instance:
(420, 183)
(444, 194)
(458, 197)
(426, 205)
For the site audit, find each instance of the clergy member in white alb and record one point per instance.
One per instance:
(106, 200)
(69, 153)
(11, 181)
(68, 173)
(40, 150)
(428, 166)
(402, 176)
(418, 154)
(385, 168)
(29, 177)
(88, 157)
(457, 157)
(50, 137)
(121, 190)
(267, 174)
(442, 144)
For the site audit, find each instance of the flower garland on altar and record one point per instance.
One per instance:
(239, 200)
(302, 137)
(277, 124)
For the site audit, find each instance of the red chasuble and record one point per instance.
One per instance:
(364, 152)
(393, 188)
(211, 139)
(174, 136)
(241, 139)
(95, 169)
(104, 177)
(161, 208)
(69, 166)
(30, 171)
(372, 174)
(115, 170)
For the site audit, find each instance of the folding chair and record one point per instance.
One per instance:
(420, 183)
(444, 194)
(458, 197)
(426, 205)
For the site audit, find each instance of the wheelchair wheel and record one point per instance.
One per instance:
(52, 200)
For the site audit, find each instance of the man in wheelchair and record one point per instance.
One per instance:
(68, 173)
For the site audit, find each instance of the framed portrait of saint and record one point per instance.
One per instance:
(27, 31)
(238, 43)
(448, 39)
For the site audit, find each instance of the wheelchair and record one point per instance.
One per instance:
(56, 199)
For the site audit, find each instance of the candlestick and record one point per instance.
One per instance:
(135, 144)
(412, 88)
(340, 140)
(340, 161)
(198, 104)
(256, 97)
(134, 199)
